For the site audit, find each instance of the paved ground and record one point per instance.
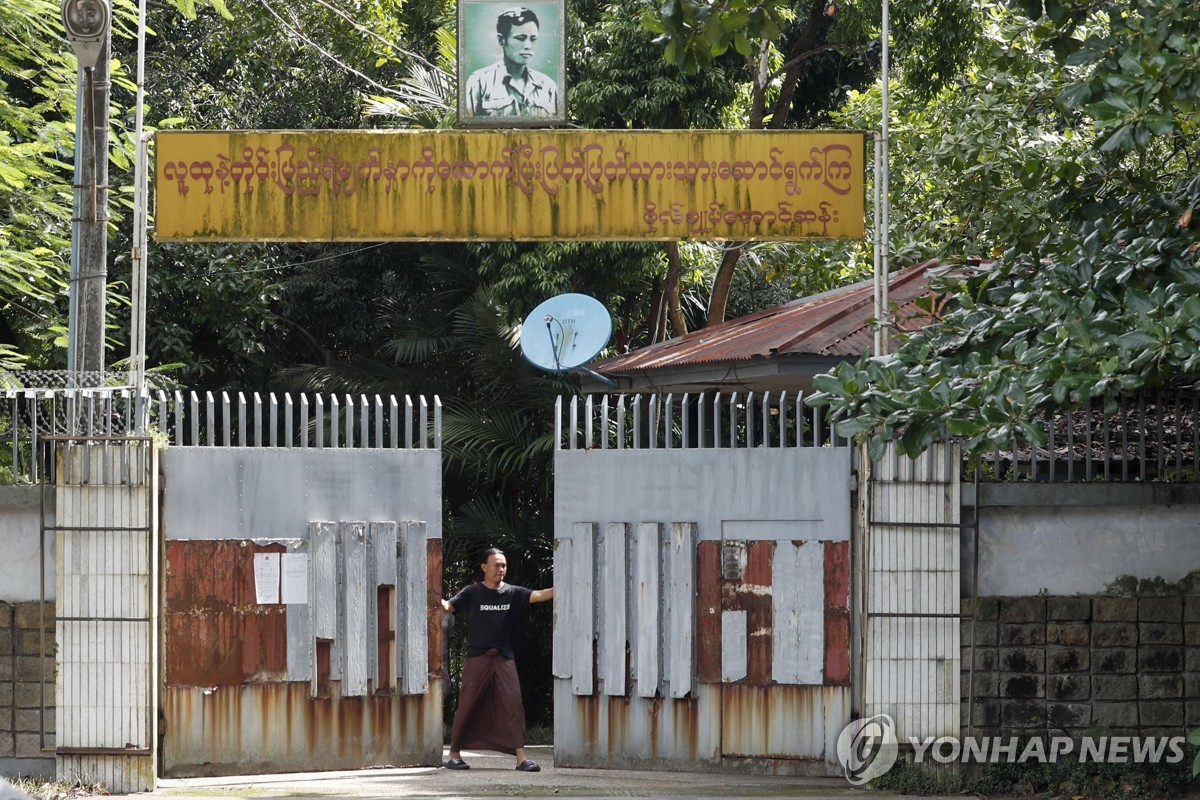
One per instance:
(492, 775)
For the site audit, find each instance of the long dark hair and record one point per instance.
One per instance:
(491, 551)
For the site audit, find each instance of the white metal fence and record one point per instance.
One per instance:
(207, 419)
(692, 421)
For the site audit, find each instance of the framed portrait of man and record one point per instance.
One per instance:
(511, 63)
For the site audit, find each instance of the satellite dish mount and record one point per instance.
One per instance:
(577, 329)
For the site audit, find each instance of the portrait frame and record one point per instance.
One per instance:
(479, 49)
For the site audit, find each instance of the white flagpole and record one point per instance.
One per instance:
(885, 203)
(137, 314)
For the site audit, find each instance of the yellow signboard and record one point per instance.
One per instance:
(515, 185)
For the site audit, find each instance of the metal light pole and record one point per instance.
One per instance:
(883, 195)
(89, 26)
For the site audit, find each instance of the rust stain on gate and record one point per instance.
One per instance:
(837, 613)
(708, 612)
(217, 635)
(228, 704)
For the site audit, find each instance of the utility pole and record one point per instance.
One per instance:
(89, 30)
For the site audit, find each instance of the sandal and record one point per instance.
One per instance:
(456, 763)
(528, 766)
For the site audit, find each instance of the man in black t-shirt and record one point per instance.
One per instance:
(490, 714)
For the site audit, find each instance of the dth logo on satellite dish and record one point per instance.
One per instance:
(867, 748)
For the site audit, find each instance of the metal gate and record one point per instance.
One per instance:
(912, 604)
(106, 545)
(702, 559)
(303, 567)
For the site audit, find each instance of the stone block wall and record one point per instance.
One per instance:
(1081, 665)
(21, 663)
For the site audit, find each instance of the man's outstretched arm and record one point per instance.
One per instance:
(542, 595)
(446, 606)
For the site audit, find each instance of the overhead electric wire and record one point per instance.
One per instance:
(330, 257)
(300, 35)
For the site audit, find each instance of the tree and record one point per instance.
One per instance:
(37, 75)
(798, 60)
(1097, 297)
(37, 135)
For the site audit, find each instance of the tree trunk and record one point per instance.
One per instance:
(671, 288)
(656, 312)
(804, 47)
(722, 283)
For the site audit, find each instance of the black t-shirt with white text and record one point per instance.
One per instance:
(495, 616)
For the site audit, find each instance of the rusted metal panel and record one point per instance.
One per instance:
(680, 614)
(258, 728)
(355, 602)
(837, 613)
(433, 600)
(708, 612)
(755, 595)
(216, 634)
(647, 602)
(798, 635)
(783, 722)
(635, 732)
(836, 323)
(382, 622)
(611, 638)
(415, 607)
(745, 577)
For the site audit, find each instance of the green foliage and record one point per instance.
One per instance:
(928, 37)
(37, 76)
(974, 165)
(698, 32)
(619, 80)
(1094, 296)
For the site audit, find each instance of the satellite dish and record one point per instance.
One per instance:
(565, 332)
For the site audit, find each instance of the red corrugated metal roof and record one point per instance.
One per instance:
(833, 324)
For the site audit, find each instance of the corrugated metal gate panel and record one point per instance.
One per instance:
(753, 639)
(912, 593)
(347, 678)
(703, 571)
(106, 598)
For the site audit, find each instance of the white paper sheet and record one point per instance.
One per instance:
(295, 578)
(266, 578)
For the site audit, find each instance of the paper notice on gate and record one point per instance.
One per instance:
(266, 578)
(295, 578)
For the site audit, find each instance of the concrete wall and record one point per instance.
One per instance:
(1081, 665)
(21, 667)
(20, 529)
(1088, 615)
(20, 642)
(1080, 538)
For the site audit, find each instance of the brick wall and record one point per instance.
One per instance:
(20, 680)
(1082, 665)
